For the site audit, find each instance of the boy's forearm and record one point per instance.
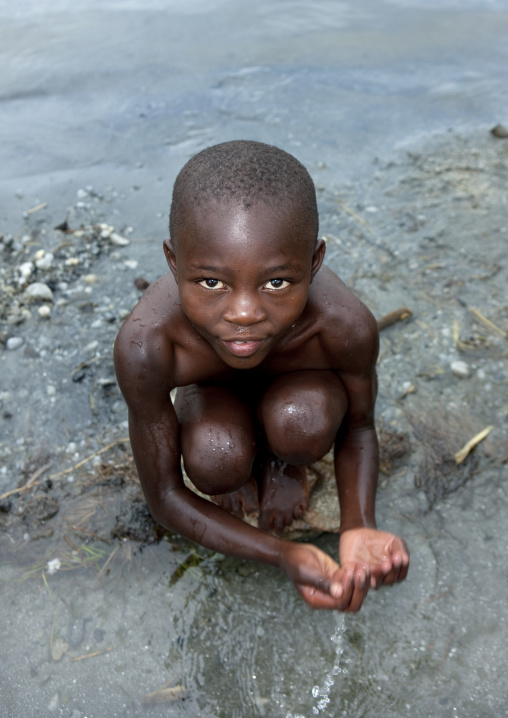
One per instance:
(356, 471)
(205, 523)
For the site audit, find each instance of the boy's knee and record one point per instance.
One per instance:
(217, 461)
(301, 425)
(298, 438)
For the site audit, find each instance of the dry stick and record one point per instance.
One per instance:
(71, 468)
(85, 364)
(396, 316)
(353, 214)
(487, 323)
(467, 448)
(163, 695)
(82, 529)
(110, 558)
(31, 481)
(43, 205)
(95, 653)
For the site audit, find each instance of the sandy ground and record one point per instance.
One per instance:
(428, 232)
(389, 103)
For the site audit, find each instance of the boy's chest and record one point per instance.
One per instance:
(196, 362)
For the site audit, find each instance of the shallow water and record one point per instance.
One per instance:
(117, 95)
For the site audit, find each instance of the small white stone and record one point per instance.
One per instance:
(44, 311)
(54, 565)
(118, 240)
(51, 390)
(72, 261)
(81, 194)
(14, 343)
(131, 263)
(460, 368)
(25, 269)
(90, 278)
(38, 291)
(45, 262)
(92, 346)
(39, 254)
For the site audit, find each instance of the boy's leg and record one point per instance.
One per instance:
(218, 445)
(301, 413)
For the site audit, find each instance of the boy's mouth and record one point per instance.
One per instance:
(242, 347)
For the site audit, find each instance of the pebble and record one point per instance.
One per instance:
(500, 131)
(460, 368)
(25, 270)
(118, 240)
(45, 262)
(38, 291)
(131, 263)
(14, 343)
(44, 311)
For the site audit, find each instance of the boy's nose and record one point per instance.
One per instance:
(244, 309)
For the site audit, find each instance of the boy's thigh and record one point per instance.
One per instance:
(217, 436)
(301, 413)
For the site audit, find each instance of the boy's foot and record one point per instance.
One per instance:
(284, 495)
(244, 500)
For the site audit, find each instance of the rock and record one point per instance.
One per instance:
(44, 311)
(45, 262)
(14, 343)
(460, 368)
(38, 291)
(118, 240)
(25, 270)
(499, 131)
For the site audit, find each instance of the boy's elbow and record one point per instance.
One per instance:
(165, 508)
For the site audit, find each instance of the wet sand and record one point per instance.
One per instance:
(99, 610)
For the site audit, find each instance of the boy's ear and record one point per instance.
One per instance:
(170, 257)
(317, 258)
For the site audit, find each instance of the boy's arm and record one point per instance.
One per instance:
(154, 434)
(356, 471)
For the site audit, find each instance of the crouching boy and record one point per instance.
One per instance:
(273, 359)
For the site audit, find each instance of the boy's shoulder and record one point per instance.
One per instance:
(155, 333)
(347, 328)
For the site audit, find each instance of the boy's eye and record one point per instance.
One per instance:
(277, 284)
(212, 283)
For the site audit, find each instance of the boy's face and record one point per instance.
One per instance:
(243, 276)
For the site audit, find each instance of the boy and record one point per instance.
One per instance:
(274, 360)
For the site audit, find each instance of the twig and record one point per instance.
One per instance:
(110, 558)
(456, 336)
(95, 653)
(356, 216)
(397, 315)
(163, 695)
(71, 468)
(43, 205)
(467, 448)
(81, 529)
(85, 364)
(31, 481)
(487, 323)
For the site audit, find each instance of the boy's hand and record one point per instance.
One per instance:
(321, 582)
(385, 555)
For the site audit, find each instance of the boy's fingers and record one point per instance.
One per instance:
(361, 587)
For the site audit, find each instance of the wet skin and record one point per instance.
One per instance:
(275, 363)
